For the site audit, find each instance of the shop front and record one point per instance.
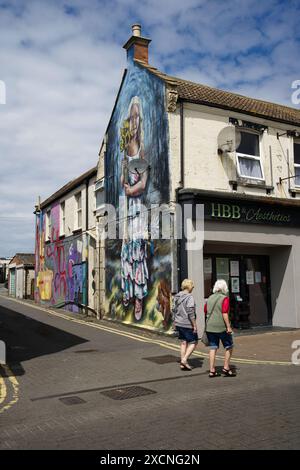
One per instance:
(248, 279)
(254, 244)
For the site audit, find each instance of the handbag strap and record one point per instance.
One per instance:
(208, 317)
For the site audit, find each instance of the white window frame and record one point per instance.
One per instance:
(99, 188)
(48, 224)
(296, 165)
(78, 210)
(62, 218)
(252, 157)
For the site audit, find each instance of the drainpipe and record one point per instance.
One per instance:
(181, 185)
(181, 182)
(87, 243)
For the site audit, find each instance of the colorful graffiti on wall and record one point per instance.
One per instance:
(60, 272)
(138, 269)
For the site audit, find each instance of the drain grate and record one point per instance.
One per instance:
(166, 359)
(127, 392)
(72, 400)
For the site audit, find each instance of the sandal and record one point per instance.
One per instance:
(213, 374)
(185, 366)
(228, 372)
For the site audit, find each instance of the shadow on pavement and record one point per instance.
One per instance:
(26, 338)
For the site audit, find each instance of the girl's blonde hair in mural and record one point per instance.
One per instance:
(136, 101)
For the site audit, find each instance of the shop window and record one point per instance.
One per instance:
(297, 162)
(208, 276)
(248, 156)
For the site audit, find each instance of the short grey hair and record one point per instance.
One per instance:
(221, 286)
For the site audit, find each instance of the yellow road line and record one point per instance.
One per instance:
(3, 390)
(140, 338)
(14, 386)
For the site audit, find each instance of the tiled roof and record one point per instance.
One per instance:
(69, 186)
(25, 258)
(203, 94)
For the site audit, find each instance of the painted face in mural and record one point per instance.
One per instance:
(134, 122)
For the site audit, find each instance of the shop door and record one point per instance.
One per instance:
(256, 289)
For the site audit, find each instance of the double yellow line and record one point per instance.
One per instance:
(9, 389)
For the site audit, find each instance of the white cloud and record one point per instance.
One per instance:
(62, 72)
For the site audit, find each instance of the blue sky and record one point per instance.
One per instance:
(62, 63)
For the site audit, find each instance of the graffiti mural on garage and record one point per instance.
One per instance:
(60, 272)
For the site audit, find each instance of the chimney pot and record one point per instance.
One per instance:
(136, 30)
(137, 46)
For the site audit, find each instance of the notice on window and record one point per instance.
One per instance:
(249, 277)
(257, 276)
(207, 265)
(235, 285)
(234, 268)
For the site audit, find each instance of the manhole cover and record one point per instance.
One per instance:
(86, 350)
(127, 392)
(72, 400)
(166, 359)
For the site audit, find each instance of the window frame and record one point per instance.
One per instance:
(48, 225)
(296, 165)
(251, 157)
(78, 210)
(62, 218)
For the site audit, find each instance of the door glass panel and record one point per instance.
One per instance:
(222, 269)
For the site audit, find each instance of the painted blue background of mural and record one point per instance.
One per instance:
(154, 256)
(150, 90)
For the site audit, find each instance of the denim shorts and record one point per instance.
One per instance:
(214, 340)
(187, 334)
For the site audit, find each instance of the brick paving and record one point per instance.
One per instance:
(259, 409)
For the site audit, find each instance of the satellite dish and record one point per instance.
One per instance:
(229, 140)
(138, 166)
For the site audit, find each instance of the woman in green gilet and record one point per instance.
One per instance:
(218, 327)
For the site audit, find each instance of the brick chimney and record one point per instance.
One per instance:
(137, 46)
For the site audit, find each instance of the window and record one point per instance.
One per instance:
(78, 213)
(100, 193)
(62, 218)
(248, 156)
(48, 225)
(297, 162)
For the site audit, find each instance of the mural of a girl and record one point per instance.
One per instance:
(134, 270)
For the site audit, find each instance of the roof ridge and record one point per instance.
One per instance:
(178, 80)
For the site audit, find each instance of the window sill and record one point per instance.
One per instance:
(77, 230)
(260, 184)
(294, 191)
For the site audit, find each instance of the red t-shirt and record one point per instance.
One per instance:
(225, 306)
